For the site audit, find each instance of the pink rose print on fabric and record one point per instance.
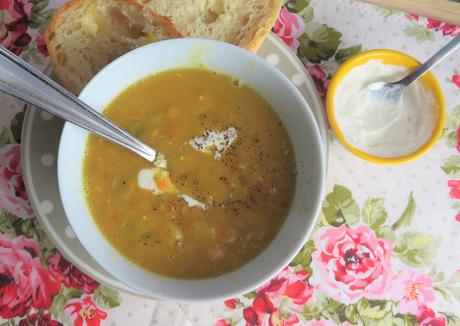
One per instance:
(230, 303)
(14, 37)
(250, 316)
(17, 8)
(456, 80)
(454, 189)
(457, 217)
(413, 290)
(351, 263)
(13, 30)
(458, 139)
(436, 25)
(70, 275)
(320, 79)
(84, 312)
(447, 29)
(289, 27)
(433, 24)
(222, 322)
(24, 284)
(427, 317)
(261, 307)
(41, 45)
(13, 195)
(413, 17)
(288, 287)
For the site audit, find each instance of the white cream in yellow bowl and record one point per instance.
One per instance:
(382, 131)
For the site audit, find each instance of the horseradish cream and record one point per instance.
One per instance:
(384, 128)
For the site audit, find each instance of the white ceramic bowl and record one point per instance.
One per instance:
(283, 97)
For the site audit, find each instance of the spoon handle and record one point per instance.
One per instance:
(26, 83)
(434, 60)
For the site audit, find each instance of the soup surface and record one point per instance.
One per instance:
(228, 185)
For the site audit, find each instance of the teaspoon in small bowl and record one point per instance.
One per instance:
(392, 91)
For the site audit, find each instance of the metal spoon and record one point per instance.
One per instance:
(392, 91)
(26, 83)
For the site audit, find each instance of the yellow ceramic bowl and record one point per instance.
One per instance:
(393, 58)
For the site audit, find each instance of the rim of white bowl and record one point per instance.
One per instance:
(281, 261)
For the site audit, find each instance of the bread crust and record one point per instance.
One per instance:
(260, 34)
(60, 15)
(51, 29)
(49, 38)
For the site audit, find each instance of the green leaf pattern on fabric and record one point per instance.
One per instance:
(449, 289)
(406, 216)
(7, 224)
(387, 12)
(450, 133)
(319, 42)
(6, 137)
(60, 301)
(106, 298)
(297, 5)
(375, 312)
(340, 207)
(374, 213)
(250, 295)
(416, 249)
(303, 258)
(343, 54)
(8, 323)
(16, 126)
(386, 232)
(421, 33)
(452, 166)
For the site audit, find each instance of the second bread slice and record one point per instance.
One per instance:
(245, 23)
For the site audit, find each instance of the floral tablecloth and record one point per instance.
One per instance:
(385, 251)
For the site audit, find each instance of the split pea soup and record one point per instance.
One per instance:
(226, 189)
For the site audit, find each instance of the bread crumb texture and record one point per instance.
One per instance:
(86, 35)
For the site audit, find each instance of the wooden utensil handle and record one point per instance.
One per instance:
(444, 10)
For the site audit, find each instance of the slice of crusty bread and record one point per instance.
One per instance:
(242, 22)
(86, 35)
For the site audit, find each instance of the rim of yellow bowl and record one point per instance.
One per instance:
(395, 58)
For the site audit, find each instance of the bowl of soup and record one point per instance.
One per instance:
(240, 187)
